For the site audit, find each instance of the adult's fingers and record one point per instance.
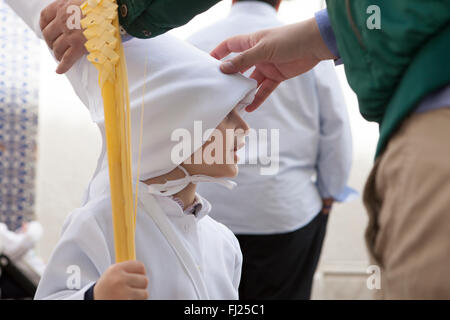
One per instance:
(72, 54)
(68, 60)
(51, 32)
(251, 52)
(258, 76)
(245, 60)
(48, 15)
(234, 44)
(264, 91)
(60, 46)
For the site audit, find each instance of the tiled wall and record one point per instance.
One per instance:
(19, 87)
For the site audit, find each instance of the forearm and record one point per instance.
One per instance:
(150, 18)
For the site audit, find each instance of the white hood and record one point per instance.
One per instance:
(182, 85)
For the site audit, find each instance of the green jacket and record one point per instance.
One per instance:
(390, 69)
(150, 18)
(393, 68)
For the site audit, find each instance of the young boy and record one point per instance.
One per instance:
(181, 252)
(211, 272)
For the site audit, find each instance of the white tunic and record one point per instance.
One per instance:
(87, 246)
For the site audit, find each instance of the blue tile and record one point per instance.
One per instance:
(19, 96)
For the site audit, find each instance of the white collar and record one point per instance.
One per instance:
(172, 208)
(254, 8)
(193, 208)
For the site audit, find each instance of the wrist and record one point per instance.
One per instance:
(316, 42)
(327, 202)
(89, 294)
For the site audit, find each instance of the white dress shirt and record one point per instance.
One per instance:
(315, 141)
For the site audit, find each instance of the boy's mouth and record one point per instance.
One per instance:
(237, 146)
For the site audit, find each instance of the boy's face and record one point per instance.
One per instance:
(218, 155)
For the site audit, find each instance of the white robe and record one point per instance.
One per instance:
(86, 250)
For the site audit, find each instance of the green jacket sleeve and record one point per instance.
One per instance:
(150, 18)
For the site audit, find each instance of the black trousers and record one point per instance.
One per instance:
(281, 266)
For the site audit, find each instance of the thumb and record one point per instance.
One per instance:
(244, 61)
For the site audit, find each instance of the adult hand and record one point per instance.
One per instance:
(327, 204)
(278, 54)
(67, 44)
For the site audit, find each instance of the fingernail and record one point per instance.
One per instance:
(228, 67)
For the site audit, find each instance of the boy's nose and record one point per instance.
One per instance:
(244, 126)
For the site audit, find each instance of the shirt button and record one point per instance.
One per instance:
(123, 10)
(146, 33)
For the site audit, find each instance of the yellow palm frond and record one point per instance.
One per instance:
(106, 53)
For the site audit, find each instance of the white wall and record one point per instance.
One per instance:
(69, 146)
